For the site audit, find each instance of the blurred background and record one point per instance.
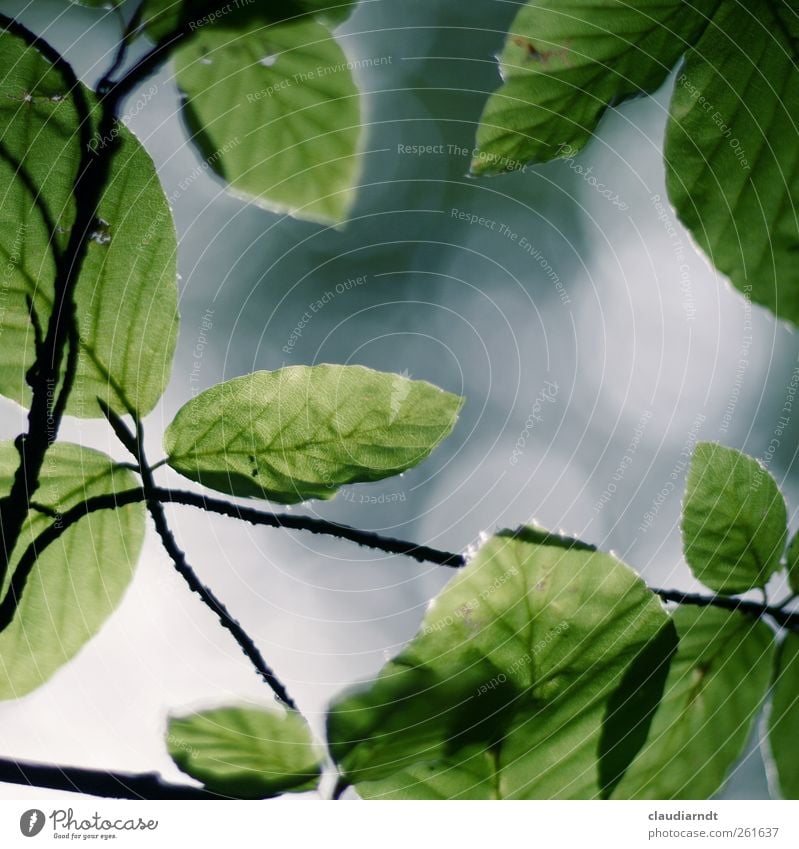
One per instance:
(593, 344)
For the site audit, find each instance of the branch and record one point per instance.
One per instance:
(367, 539)
(134, 442)
(95, 782)
(43, 425)
(47, 409)
(246, 643)
(785, 618)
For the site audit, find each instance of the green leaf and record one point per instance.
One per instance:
(126, 295)
(732, 150)
(792, 559)
(505, 691)
(716, 686)
(246, 753)
(79, 580)
(784, 717)
(302, 432)
(566, 61)
(276, 113)
(734, 521)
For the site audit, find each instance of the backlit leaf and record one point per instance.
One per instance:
(246, 753)
(734, 522)
(505, 691)
(79, 579)
(302, 432)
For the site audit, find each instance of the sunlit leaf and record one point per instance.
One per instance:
(246, 753)
(565, 61)
(716, 686)
(126, 296)
(276, 113)
(734, 521)
(732, 150)
(302, 432)
(505, 691)
(79, 579)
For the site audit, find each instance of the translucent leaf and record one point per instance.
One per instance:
(732, 150)
(302, 432)
(566, 61)
(246, 753)
(784, 718)
(79, 579)
(734, 521)
(505, 691)
(127, 293)
(276, 113)
(716, 686)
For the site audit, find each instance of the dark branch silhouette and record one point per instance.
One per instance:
(96, 782)
(422, 553)
(134, 442)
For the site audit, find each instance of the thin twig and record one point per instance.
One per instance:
(245, 642)
(134, 442)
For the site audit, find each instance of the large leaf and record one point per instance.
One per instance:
(505, 691)
(714, 692)
(276, 113)
(784, 717)
(127, 292)
(302, 432)
(246, 753)
(733, 154)
(566, 61)
(79, 579)
(734, 521)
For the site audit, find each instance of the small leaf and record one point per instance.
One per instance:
(79, 580)
(784, 717)
(732, 150)
(275, 111)
(303, 432)
(126, 296)
(734, 522)
(566, 61)
(505, 691)
(246, 753)
(716, 686)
